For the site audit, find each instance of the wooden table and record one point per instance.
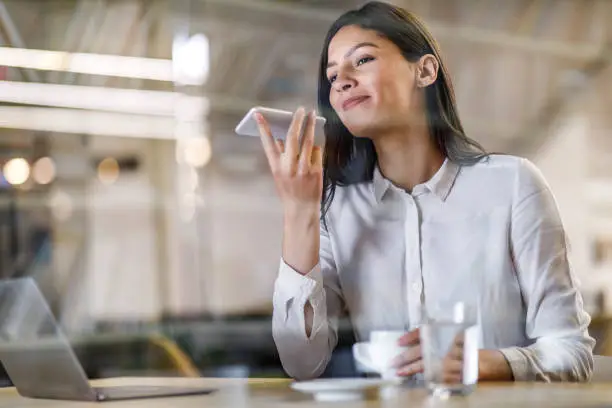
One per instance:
(264, 393)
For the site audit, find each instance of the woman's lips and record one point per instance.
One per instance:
(352, 102)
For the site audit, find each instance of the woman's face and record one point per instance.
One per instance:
(373, 87)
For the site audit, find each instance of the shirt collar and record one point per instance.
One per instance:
(440, 184)
(380, 184)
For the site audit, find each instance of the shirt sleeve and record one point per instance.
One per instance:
(556, 321)
(305, 357)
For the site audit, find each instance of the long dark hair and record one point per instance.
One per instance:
(349, 160)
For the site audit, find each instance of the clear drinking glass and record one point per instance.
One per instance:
(449, 343)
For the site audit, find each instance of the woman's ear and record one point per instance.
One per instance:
(427, 70)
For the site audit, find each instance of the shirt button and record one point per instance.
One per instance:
(416, 286)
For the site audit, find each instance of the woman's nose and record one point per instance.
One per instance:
(346, 86)
(343, 85)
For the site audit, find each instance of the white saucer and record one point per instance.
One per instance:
(343, 389)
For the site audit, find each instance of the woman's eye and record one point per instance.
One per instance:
(363, 60)
(332, 78)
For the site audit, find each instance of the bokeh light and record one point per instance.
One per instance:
(16, 171)
(44, 171)
(108, 171)
(198, 151)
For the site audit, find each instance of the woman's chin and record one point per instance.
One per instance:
(363, 130)
(363, 125)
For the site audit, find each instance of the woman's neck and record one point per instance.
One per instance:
(408, 158)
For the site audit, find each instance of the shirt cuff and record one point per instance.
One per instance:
(294, 290)
(292, 284)
(519, 364)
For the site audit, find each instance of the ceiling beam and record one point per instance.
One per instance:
(82, 23)
(14, 38)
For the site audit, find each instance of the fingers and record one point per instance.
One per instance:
(308, 143)
(453, 362)
(456, 350)
(267, 140)
(409, 362)
(410, 339)
(280, 145)
(317, 158)
(452, 367)
(452, 370)
(452, 379)
(293, 135)
(407, 357)
(411, 369)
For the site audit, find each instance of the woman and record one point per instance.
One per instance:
(408, 210)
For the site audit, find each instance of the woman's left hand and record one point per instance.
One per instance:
(410, 362)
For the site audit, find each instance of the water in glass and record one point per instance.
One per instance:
(449, 342)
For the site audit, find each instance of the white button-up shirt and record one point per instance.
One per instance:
(490, 232)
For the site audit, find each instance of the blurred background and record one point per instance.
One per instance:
(154, 231)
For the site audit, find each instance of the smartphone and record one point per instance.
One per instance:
(279, 122)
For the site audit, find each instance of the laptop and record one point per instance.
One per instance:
(40, 361)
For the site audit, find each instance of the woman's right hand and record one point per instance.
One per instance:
(298, 176)
(297, 171)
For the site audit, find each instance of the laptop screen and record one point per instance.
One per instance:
(36, 355)
(24, 314)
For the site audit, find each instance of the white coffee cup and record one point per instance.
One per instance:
(376, 356)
